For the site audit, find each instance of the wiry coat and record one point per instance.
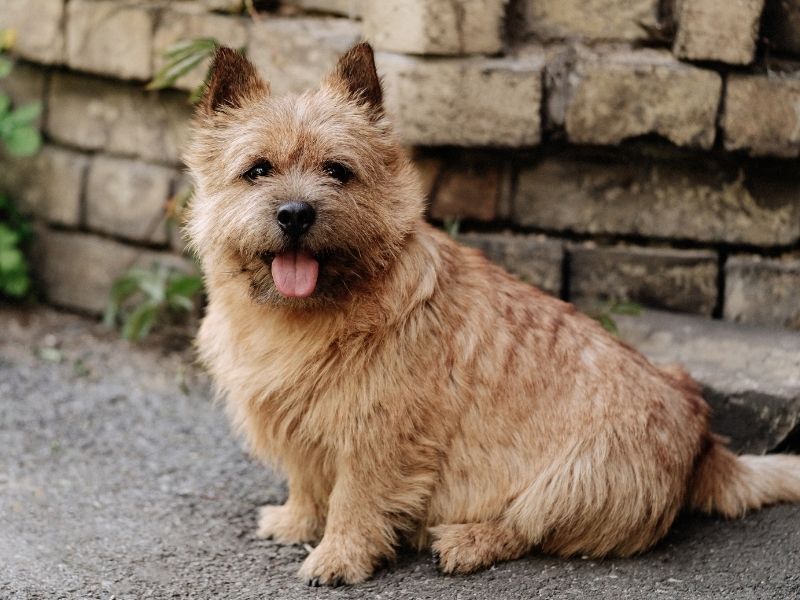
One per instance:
(425, 393)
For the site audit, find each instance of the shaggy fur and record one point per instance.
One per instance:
(420, 392)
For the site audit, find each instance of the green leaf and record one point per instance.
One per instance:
(24, 115)
(184, 285)
(627, 308)
(5, 105)
(8, 237)
(608, 324)
(17, 285)
(191, 46)
(5, 67)
(11, 259)
(23, 141)
(140, 321)
(182, 58)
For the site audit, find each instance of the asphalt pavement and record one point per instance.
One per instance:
(119, 478)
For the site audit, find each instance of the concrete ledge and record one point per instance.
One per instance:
(750, 375)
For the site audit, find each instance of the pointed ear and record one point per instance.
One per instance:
(233, 81)
(357, 73)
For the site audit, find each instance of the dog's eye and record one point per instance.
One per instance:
(262, 169)
(338, 171)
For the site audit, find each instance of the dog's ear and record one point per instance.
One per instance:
(357, 73)
(233, 81)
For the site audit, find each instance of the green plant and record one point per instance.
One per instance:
(143, 297)
(18, 131)
(604, 314)
(15, 234)
(451, 226)
(181, 58)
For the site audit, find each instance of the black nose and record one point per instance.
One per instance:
(295, 218)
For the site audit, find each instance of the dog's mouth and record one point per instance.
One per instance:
(295, 273)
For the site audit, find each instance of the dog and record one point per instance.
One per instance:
(412, 391)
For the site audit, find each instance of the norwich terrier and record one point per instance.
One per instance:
(410, 389)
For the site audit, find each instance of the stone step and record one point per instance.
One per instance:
(750, 375)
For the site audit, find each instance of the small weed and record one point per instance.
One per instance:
(451, 226)
(604, 314)
(183, 57)
(143, 297)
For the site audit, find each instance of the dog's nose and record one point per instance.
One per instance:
(295, 218)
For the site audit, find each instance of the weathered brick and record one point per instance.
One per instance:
(721, 30)
(696, 200)
(624, 94)
(110, 37)
(25, 84)
(762, 115)
(435, 26)
(590, 19)
(48, 185)
(189, 24)
(346, 8)
(38, 28)
(470, 101)
(763, 290)
(78, 269)
(98, 115)
(229, 6)
(127, 198)
(468, 190)
(681, 280)
(534, 259)
(295, 54)
(781, 24)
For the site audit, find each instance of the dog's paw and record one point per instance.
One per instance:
(283, 525)
(465, 548)
(334, 564)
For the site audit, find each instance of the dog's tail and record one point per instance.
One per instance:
(731, 485)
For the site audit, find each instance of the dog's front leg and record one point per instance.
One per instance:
(367, 505)
(302, 518)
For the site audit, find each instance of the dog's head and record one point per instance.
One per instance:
(307, 198)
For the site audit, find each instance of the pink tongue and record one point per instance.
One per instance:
(295, 273)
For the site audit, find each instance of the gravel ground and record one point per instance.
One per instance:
(119, 479)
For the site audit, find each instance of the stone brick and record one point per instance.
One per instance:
(428, 169)
(468, 190)
(697, 200)
(110, 37)
(98, 115)
(590, 19)
(781, 24)
(762, 115)
(435, 26)
(186, 24)
(722, 30)
(468, 102)
(624, 94)
(346, 8)
(228, 6)
(681, 280)
(77, 269)
(750, 376)
(38, 28)
(534, 259)
(295, 54)
(127, 198)
(25, 84)
(48, 185)
(763, 290)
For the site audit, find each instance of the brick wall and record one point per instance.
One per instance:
(601, 149)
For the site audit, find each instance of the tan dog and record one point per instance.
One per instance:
(409, 388)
